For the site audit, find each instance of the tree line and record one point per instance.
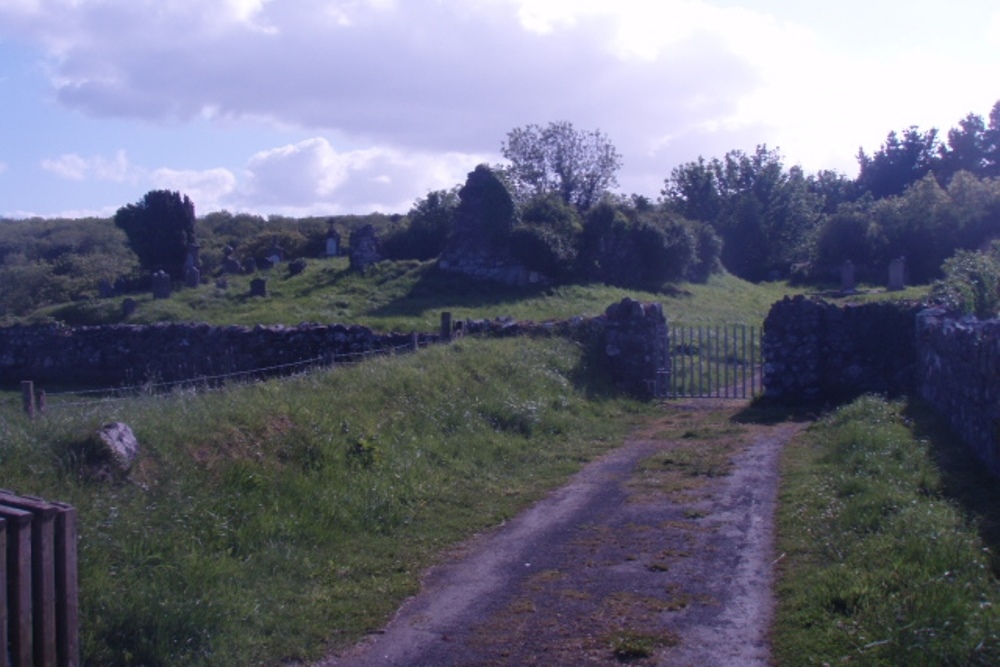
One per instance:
(918, 196)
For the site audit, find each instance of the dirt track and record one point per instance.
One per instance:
(659, 553)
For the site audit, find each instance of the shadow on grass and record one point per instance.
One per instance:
(768, 412)
(439, 290)
(964, 477)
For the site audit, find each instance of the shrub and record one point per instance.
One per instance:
(971, 283)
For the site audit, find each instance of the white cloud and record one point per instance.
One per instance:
(76, 168)
(312, 176)
(402, 97)
(209, 189)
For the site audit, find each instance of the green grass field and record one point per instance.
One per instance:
(405, 296)
(888, 541)
(270, 522)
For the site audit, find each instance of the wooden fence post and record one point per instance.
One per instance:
(446, 327)
(28, 398)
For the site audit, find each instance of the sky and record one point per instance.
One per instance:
(326, 107)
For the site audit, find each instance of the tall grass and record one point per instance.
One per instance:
(272, 521)
(880, 565)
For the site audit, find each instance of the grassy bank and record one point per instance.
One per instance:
(405, 296)
(269, 522)
(886, 541)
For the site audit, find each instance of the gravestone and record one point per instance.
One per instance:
(258, 287)
(897, 274)
(847, 284)
(192, 277)
(296, 267)
(232, 265)
(364, 249)
(161, 285)
(128, 307)
(332, 244)
(192, 260)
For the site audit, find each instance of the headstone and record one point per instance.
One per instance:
(847, 277)
(258, 287)
(192, 260)
(897, 274)
(365, 248)
(232, 265)
(296, 267)
(192, 277)
(128, 307)
(161, 285)
(332, 240)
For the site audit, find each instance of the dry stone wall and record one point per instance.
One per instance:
(818, 351)
(125, 354)
(959, 374)
(630, 337)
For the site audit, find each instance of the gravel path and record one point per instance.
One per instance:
(659, 553)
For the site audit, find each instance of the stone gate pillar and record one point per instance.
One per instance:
(636, 345)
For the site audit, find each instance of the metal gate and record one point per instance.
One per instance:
(714, 362)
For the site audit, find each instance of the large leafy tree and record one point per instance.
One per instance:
(578, 166)
(763, 213)
(159, 227)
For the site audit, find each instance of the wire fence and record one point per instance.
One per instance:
(39, 400)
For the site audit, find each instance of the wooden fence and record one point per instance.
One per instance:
(39, 615)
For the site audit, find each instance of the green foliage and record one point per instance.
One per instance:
(577, 166)
(548, 237)
(880, 567)
(44, 262)
(971, 283)
(292, 242)
(428, 225)
(267, 523)
(159, 227)
(763, 213)
(645, 247)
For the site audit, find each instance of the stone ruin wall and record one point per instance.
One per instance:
(631, 336)
(816, 351)
(116, 355)
(959, 374)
